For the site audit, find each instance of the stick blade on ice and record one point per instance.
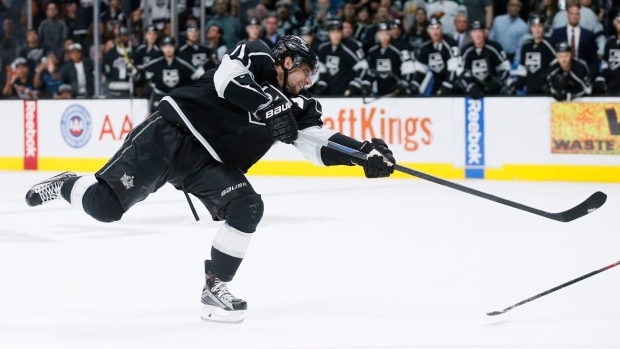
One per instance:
(590, 205)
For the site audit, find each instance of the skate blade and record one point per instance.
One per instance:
(216, 314)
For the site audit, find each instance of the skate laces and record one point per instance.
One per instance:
(49, 192)
(221, 291)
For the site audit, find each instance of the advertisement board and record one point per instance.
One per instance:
(585, 128)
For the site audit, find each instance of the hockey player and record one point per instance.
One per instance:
(485, 67)
(437, 58)
(536, 55)
(194, 52)
(149, 50)
(569, 77)
(202, 140)
(389, 67)
(341, 63)
(610, 67)
(167, 72)
(118, 67)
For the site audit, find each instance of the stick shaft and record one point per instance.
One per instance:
(583, 277)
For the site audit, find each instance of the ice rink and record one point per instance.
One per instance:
(336, 263)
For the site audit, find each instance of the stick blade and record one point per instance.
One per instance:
(493, 313)
(590, 205)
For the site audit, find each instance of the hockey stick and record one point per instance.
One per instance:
(493, 313)
(592, 203)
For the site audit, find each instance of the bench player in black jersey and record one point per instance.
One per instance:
(204, 138)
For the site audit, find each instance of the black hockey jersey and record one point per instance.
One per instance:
(166, 75)
(486, 67)
(115, 64)
(388, 66)
(219, 108)
(143, 55)
(197, 55)
(33, 55)
(340, 65)
(610, 66)
(574, 83)
(442, 61)
(533, 67)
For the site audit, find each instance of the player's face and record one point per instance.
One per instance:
(564, 60)
(384, 38)
(298, 77)
(347, 30)
(477, 36)
(168, 51)
(151, 37)
(335, 37)
(434, 33)
(192, 35)
(253, 31)
(537, 30)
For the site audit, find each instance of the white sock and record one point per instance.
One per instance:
(79, 188)
(231, 241)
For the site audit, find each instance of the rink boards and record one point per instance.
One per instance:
(494, 138)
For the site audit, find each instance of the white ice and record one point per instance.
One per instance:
(336, 263)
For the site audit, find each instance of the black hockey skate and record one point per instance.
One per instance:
(219, 304)
(47, 190)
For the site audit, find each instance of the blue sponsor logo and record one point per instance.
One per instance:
(75, 126)
(474, 138)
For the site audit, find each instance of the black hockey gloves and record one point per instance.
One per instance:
(279, 120)
(474, 91)
(380, 161)
(277, 116)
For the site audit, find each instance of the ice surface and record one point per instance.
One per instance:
(336, 263)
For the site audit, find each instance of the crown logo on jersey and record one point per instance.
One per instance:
(127, 181)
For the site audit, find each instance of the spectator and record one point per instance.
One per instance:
(149, 50)
(587, 19)
(5, 75)
(485, 67)
(79, 73)
(196, 54)
(33, 51)
(253, 29)
(84, 20)
(610, 67)
(549, 9)
(445, 11)
(53, 31)
(341, 64)
(64, 92)
(439, 58)
(390, 68)
(23, 83)
(270, 34)
(461, 35)
(117, 67)
(114, 15)
(287, 23)
(259, 11)
(307, 34)
(155, 12)
(47, 78)
(216, 43)
(70, 17)
(536, 55)
(323, 12)
(417, 32)
(231, 26)
(569, 78)
(348, 13)
(364, 30)
(410, 10)
(66, 55)
(480, 11)
(8, 43)
(509, 29)
(136, 25)
(347, 30)
(580, 40)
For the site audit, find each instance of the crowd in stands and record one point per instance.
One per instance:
(566, 49)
